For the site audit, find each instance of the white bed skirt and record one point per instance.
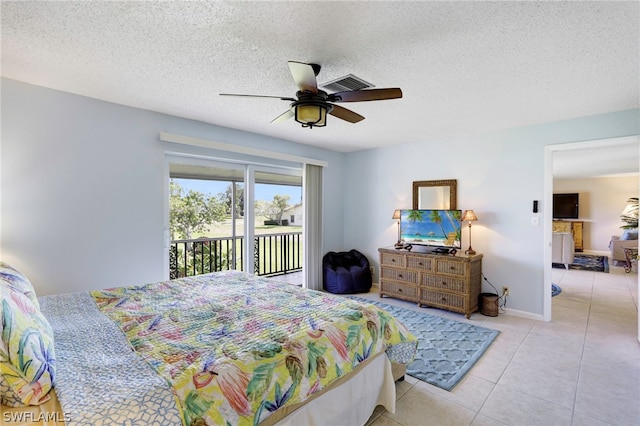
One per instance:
(352, 402)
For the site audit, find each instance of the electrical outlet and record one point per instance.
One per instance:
(505, 291)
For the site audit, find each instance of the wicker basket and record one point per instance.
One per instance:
(489, 304)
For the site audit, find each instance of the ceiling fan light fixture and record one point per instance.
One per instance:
(311, 114)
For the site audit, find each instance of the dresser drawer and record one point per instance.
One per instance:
(443, 282)
(442, 299)
(451, 267)
(401, 291)
(397, 260)
(420, 263)
(399, 275)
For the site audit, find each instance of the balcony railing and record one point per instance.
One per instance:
(274, 254)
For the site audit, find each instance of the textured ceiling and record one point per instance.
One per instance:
(463, 66)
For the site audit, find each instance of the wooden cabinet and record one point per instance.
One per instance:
(437, 280)
(576, 229)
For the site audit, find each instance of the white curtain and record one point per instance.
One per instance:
(312, 230)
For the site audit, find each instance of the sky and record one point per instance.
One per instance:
(263, 191)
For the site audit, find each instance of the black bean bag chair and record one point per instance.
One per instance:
(346, 272)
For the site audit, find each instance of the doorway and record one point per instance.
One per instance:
(627, 163)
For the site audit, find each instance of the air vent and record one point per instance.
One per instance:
(348, 82)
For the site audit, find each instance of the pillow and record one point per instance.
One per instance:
(27, 358)
(12, 277)
(629, 234)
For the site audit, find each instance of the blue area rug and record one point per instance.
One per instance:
(587, 262)
(447, 349)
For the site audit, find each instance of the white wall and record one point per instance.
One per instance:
(82, 187)
(601, 202)
(499, 175)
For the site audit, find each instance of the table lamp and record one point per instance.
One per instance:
(469, 216)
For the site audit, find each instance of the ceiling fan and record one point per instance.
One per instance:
(311, 105)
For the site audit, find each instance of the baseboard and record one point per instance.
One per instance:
(523, 314)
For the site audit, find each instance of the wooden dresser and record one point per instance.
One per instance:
(575, 227)
(436, 280)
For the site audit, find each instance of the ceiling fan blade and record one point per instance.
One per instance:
(346, 114)
(259, 96)
(365, 95)
(283, 117)
(304, 76)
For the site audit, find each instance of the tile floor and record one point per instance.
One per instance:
(582, 368)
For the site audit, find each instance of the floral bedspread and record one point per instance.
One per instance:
(235, 347)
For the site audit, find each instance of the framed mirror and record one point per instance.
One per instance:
(435, 194)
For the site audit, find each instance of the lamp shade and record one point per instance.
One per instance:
(396, 214)
(311, 115)
(469, 215)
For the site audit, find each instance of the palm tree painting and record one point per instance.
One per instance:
(431, 227)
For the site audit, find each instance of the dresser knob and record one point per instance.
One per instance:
(399, 275)
(399, 290)
(393, 260)
(452, 267)
(444, 283)
(444, 299)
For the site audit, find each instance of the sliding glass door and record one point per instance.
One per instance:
(216, 207)
(278, 217)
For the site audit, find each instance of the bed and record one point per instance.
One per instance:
(221, 348)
